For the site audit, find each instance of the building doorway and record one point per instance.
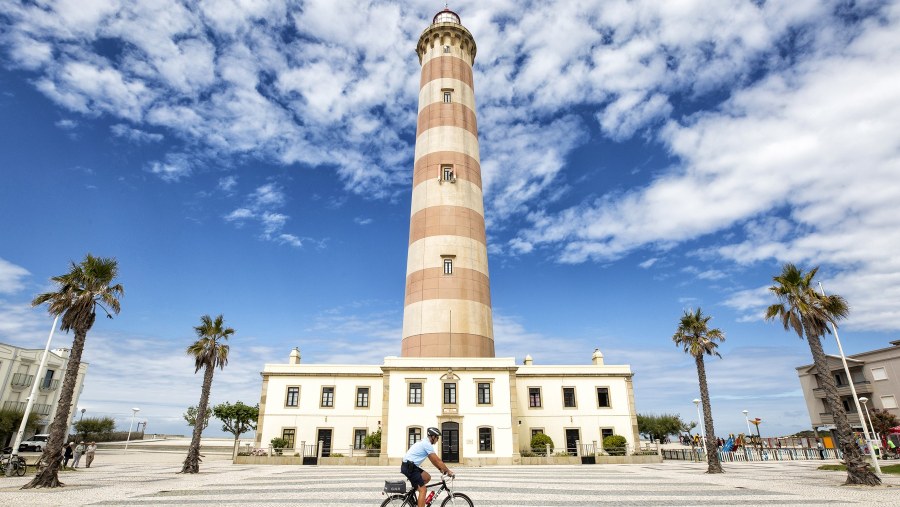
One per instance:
(450, 442)
(324, 436)
(572, 436)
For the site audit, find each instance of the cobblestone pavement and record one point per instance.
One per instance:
(144, 480)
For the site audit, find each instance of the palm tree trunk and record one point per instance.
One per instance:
(712, 448)
(858, 471)
(192, 461)
(59, 428)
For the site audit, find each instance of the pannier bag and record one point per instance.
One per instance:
(395, 486)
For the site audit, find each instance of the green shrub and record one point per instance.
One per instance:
(614, 445)
(539, 443)
(278, 444)
(337, 455)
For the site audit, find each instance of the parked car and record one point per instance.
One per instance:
(35, 443)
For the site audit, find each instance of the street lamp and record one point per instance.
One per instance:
(747, 419)
(134, 412)
(874, 437)
(702, 426)
(82, 414)
(852, 389)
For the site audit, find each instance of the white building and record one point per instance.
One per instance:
(18, 372)
(486, 407)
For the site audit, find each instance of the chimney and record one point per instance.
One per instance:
(528, 360)
(295, 356)
(597, 358)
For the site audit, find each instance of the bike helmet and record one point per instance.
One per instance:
(434, 432)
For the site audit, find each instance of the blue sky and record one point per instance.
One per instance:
(254, 158)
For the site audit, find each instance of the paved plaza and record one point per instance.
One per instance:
(150, 478)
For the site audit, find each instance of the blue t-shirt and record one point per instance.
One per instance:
(419, 451)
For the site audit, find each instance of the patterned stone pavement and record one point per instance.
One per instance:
(125, 482)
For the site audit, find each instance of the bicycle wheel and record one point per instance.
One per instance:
(457, 500)
(20, 467)
(393, 501)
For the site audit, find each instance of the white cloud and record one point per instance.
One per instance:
(11, 277)
(260, 207)
(175, 167)
(66, 124)
(648, 263)
(134, 135)
(239, 214)
(267, 195)
(363, 221)
(227, 184)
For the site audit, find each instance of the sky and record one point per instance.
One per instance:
(253, 158)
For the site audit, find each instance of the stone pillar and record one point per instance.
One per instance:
(447, 308)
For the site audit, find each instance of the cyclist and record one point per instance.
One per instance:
(416, 455)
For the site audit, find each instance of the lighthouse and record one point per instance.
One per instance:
(447, 307)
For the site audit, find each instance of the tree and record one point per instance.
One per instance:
(236, 419)
(659, 426)
(190, 416)
(373, 441)
(808, 313)
(695, 337)
(208, 352)
(539, 443)
(79, 292)
(94, 426)
(10, 421)
(883, 421)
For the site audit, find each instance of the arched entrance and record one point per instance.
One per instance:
(450, 442)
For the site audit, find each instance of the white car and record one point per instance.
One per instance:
(35, 443)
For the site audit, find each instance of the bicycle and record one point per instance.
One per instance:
(6, 460)
(409, 498)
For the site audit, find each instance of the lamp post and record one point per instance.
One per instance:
(874, 437)
(702, 426)
(747, 420)
(853, 389)
(31, 398)
(134, 412)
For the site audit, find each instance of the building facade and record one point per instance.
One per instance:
(18, 373)
(875, 376)
(447, 376)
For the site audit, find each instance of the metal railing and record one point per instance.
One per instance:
(49, 385)
(755, 454)
(15, 406)
(21, 380)
(42, 408)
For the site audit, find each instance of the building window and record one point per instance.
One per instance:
(415, 393)
(413, 436)
(293, 397)
(447, 97)
(484, 393)
(447, 174)
(359, 437)
(448, 266)
(362, 397)
(534, 397)
(536, 431)
(603, 397)
(569, 397)
(839, 379)
(446, 49)
(846, 403)
(606, 432)
(449, 393)
(289, 434)
(328, 396)
(888, 402)
(485, 440)
(879, 374)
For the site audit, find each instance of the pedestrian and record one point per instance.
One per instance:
(89, 454)
(67, 455)
(821, 449)
(79, 450)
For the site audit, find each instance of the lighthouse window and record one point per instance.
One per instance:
(448, 266)
(446, 49)
(447, 173)
(447, 97)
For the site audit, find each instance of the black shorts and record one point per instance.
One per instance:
(413, 473)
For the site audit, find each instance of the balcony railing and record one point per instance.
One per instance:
(15, 406)
(49, 385)
(828, 417)
(42, 409)
(862, 387)
(21, 380)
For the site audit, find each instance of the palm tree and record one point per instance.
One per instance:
(698, 340)
(208, 352)
(808, 313)
(79, 292)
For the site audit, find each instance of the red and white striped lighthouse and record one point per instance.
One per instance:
(447, 310)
